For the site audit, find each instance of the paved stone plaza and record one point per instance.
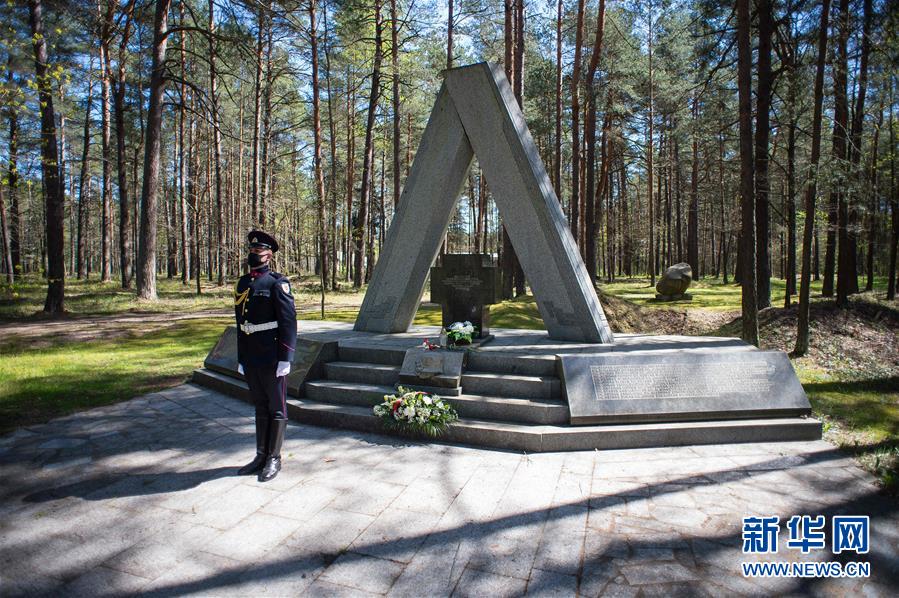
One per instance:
(140, 497)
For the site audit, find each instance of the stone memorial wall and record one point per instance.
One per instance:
(681, 385)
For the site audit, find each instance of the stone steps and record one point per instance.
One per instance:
(346, 393)
(511, 385)
(543, 437)
(364, 373)
(502, 362)
(534, 411)
(485, 395)
(485, 360)
(360, 353)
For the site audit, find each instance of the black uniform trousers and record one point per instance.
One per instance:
(269, 393)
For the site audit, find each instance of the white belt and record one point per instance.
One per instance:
(251, 328)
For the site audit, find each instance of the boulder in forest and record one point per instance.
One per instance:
(674, 283)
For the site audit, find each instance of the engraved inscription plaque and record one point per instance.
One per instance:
(678, 380)
(463, 282)
(681, 385)
(465, 285)
(433, 368)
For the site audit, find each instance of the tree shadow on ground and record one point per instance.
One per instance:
(868, 404)
(600, 567)
(477, 535)
(136, 484)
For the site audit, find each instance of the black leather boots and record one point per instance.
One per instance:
(258, 462)
(276, 439)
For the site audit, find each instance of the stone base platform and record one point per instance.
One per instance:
(512, 395)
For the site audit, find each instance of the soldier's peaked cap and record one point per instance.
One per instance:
(257, 238)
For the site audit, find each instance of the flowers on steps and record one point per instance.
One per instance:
(416, 412)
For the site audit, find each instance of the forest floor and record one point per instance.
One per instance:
(111, 346)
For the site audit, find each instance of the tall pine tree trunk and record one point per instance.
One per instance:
(811, 189)
(518, 88)
(4, 236)
(678, 211)
(508, 263)
(395, 100)
(792, 91)
(317, 156)
(332, 142)
(847, 280)
(874, 191)
(894, 206)
(652, 257)
(265, 172)
(750, 322)
(791, 212)
(368, 155)
(449, 34)
(62, 139)
(182, 193)
(762, 130)
(349, 225)
(12, 180)
(590, 195)
(146, 263)
(257, 114)
(106, 128)
(693, 209)
(83, 199)
(53, 191)
(217, 147)
(557, 160)
(836, 220)
(126, 238)
(575, 206)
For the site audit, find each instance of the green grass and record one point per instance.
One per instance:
(91, 297)
(871, 406)
(516, 313)
(710, 293)
(26, 298)
(39, 384)
(861, 416)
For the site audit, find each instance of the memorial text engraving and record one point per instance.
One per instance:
(685, 380)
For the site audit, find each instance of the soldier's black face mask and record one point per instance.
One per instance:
(255, 260)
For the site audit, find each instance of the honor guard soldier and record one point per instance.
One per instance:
(266, 339)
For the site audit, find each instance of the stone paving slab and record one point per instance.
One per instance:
(140, 498)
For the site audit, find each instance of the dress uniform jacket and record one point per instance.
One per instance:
(266, 319)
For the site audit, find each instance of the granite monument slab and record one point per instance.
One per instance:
(465, 285)
(476, 113)
(308, 359)
(662, 386)
(439, 369)
(308, 363)
(223, 356)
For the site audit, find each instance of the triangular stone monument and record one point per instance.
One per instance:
(476, 114)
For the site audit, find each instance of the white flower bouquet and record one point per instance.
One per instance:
(414, 411)
(460, 333)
